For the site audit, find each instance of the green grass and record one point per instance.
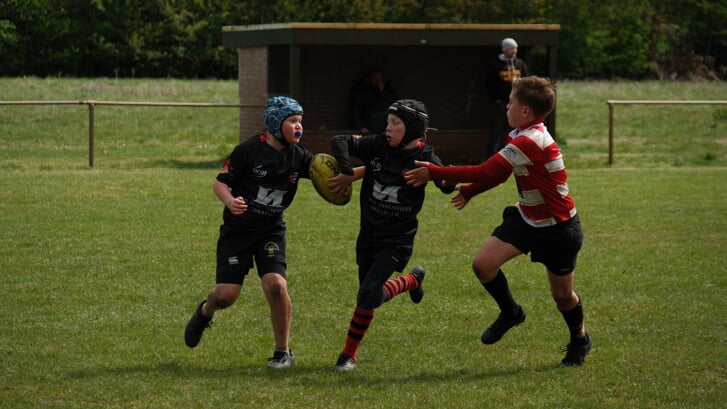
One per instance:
(102, 267)
(644, 135)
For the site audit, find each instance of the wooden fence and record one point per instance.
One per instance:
(91, 104)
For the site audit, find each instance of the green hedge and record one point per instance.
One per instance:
(632, 39)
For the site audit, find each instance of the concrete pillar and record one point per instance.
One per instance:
(252, 88)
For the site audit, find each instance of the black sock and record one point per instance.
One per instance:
(500, 291)
(574, 320)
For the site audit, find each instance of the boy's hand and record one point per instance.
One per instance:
(419, 176)
(237, 206)
(340, 183)
(458, 200)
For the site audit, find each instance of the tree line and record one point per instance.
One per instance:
(630, 39)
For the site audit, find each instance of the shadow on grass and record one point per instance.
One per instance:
(464, 375)
(313, 376)
(181, 164)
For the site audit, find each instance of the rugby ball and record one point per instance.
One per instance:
(322, 167)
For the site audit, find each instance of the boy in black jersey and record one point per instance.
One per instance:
(389, 209)
(258, 181)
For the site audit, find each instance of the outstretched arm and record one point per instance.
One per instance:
(489, 174)
(341, 146)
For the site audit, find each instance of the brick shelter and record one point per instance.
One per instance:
(439, 64)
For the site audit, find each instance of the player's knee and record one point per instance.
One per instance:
(223, 299)
(275, 286)
(565, 300)
(482, 271)
(370, 298)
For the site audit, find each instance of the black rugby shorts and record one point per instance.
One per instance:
(237, 249)
(556, 246)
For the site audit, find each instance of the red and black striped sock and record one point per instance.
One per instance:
(359, 324)
(398, 285)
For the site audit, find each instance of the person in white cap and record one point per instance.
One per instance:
(499, 76)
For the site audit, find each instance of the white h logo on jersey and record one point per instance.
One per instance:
(270, 197)
(388, 194)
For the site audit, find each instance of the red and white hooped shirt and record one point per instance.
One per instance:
(533, 156)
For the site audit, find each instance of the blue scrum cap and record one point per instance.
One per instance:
(276, 110)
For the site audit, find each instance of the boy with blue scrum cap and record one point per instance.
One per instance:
(258, 181)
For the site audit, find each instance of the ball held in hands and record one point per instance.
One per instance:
(322, 167)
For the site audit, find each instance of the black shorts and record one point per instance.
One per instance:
(236, 250)
(556, 246)
(376, 264)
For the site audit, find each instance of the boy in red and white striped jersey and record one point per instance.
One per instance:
(543, 222)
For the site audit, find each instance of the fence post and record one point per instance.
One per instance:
(610, 132)
(91, 106)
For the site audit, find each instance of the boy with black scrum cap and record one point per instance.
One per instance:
(389, 208)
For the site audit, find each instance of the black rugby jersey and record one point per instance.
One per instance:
(266, 178)
(389, 206)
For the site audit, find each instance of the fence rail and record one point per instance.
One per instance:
(91, 104)
(613, 102)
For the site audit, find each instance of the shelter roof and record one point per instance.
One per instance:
(387, 34)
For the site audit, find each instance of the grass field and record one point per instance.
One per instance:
(102, 267)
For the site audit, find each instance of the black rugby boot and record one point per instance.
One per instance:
(501, 325)
(196, 326)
